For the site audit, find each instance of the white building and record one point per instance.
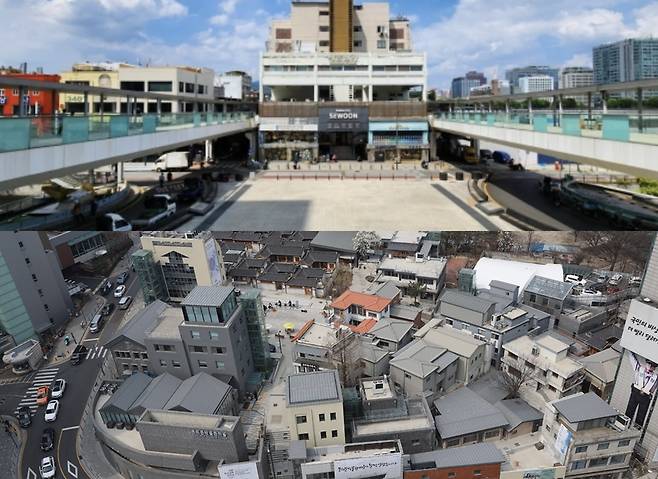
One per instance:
(235, 85)
(536, 83)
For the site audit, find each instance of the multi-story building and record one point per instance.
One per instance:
(532, 84)
(545, 362)
(547, 294)
(627, 60)
(577, 77)
(195, 83)
(328, 66)
(185, 261)
(35, 102)
(461, 86)
(314, 408)
(515, 74)
(481, 460)
(496, 87)
(586, 435)
(477, 316)
(35, 298)
(353, 307)
(429, 272)
(235, 85)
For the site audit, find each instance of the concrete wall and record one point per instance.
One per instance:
(313, 426)
(25, 167)
(127, 346)
(462, 314)
(168, 357)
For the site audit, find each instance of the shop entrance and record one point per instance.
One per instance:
(347, 146)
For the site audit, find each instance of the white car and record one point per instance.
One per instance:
(120, 291)
(47, 468)
(124, 302)
(58, 389)
(51, 411)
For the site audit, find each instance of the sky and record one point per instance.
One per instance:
(457, 35)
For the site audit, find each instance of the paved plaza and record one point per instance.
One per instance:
(311, 204)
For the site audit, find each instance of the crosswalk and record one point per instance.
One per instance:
(43, 377)
(97, 352)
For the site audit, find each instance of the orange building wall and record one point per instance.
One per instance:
(47, 101)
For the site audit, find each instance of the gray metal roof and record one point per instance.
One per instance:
(403, 311)
(141, 324)
(387, 289)
(128, 392)
(201, 394)
(391, 329)
(156, 395)
(584, 407)
(421, 358)
(342, 241)
(503, 285)
(207, 296)
(466, 301)
(550, 288)
(464, 412)
(517, 412)
(473, 455)
(369, 352)
(313, 387)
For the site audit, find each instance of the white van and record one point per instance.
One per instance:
(113, 222)
(96, 324)
(174, 161)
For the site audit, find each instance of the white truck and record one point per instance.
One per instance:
(173, 161)
(157, 209)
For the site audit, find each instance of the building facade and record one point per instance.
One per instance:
(235, 85)
(627, 60)
(35, 102)
(532, 84)
(514, 75)
(461, 86)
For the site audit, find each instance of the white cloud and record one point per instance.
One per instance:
(579, 60)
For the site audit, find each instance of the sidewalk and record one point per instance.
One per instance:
(10, 446)
(74, 329)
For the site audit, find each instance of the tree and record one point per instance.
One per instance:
(340, 281)
(619, 246)
(511, 379)
(506, 242)
(416, 289)
(365, 241)
(344, 355)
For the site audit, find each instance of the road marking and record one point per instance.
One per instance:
(89, 340)
(72, 468)
(70, 428)
(49, 370)
(26, 402)
(104, 352)
(31, 474)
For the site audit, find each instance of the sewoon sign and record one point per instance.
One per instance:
(343, 119)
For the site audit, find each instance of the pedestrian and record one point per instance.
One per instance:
(94, 207)
(333, 158)
(170, 177)
(162, 178)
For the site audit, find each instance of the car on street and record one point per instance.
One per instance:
(106, 288)
(272, 348)
(47, 468)
(107, 309)
(502, 157)
(51, 411)
(122, 278)
(43, 395)
(47, 439)
(120, 291)
(79, 353)
(58, 388)
(124, 302)
(24, 416)
(112, 222)
(96, 324)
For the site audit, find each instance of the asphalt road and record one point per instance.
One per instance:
(80, 380)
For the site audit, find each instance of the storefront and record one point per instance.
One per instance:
(288, 145)
(398, 140)
(343, 132)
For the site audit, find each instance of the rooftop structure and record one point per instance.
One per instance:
(513, 272)
(313, 388)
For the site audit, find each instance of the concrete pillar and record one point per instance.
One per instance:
(555, 102)
(506, 110)
(102, 105)
(120, 177)
(87, 104)
(640, 108)
(490, 106)
(22, 105)
(92, 177)
(530, 110)
(589, 109)
(158, 106)
(475, 144)
(208, 150)
(224, 108)
(433, 156)
(53, 100)
(604, 101)
(316, 93)
(135, 112)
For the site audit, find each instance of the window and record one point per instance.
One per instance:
(490, 434)
(163, 363)
(181, 87)
(324, 28)
(322, 417)
(303, 436)
(578, 465)
(202, 364)
(214, 335)
(197, 349)
(477, 472)
(332, 416)
(219, 364)
(136, 355)
(624, 443)
(201, 89)
(324, 13)
(324, 43)
(603, 446)
(323, 434)
(357, 28)
(381, 44)
(132, 85)
(218, 350)
(618, 459)
(470, 438)
(580, 449)
(195, 334)
(283, 33)
(160, 86)
(145, 356)
(175, 364)
(358, 44)
(598, 462)
(334, 433)
(301, 419)
(452, 443)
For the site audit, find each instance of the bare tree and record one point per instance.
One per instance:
(511, 379)
(364, 241)
(340, 281)
(345, 357)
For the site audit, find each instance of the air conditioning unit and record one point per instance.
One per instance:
(535, 351)
(622, 423)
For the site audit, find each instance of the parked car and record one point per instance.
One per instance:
(122, 278)
(575, 279)
(58, 388)
(79, 354)
(616, 279)
(107, 309)
(106, 288)
(24, 416)
(51, 411)
(120, 291)
(47, 439)
(43, 395)
(124, 303)
(272, 348)
(486, 155)
(113, 222)
(636, 281)
(193, 190)
(47, 468)
(96, 324)
(502, 157)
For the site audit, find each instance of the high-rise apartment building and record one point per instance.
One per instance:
(185, 261)
(577, 77)
(328, 66)
(461, 86)
(515, 74)
(34, 297)
(627, 60)
(536, 83)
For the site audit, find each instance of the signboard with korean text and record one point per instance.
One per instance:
(385, 466)
(238, 470)
(343, 119)
(641, 330)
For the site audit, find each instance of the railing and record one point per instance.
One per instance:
(36, 132)
(616, 127)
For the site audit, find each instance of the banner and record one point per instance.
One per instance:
(641, 330)
(385, 466)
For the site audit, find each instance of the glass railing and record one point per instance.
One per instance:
(608, 126)
(43, 131)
